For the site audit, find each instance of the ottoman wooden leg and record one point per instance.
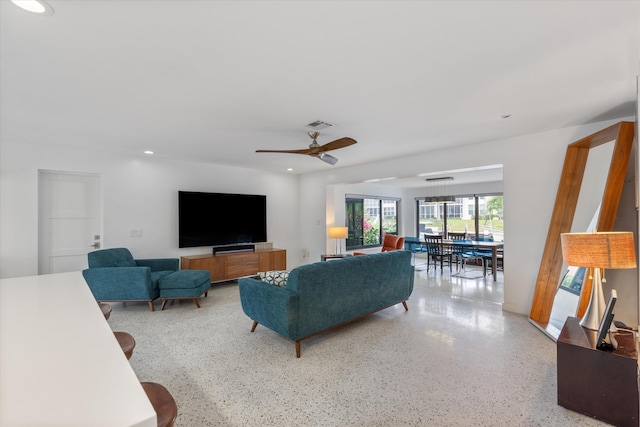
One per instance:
(195, 301)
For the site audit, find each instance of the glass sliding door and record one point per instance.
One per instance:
(355, 223)
(478, 216)
(368, 219)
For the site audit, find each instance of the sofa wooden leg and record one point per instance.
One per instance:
(298, 349)
(195, 301)
(164, 302)
(406, 308)
(255, 324)
(151, 306)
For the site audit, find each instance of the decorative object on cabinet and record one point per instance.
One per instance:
(596, 251)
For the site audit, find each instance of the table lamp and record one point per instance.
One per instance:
(338, 233)
(596, 251)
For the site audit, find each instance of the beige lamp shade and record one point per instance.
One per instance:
(599, 249)
(338, 232)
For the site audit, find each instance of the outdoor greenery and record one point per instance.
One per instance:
(371, 231)
(490, 221)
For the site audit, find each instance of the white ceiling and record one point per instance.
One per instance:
(212, 81)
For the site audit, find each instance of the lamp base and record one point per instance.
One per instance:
(595, 310)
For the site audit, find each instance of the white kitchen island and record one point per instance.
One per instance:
(60, 364)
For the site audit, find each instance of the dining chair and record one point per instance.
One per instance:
(483, 253)
(437, 250)
(415, 246)
(488, 259)
(458, 250)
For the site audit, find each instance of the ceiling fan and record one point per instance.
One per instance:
(317, 150)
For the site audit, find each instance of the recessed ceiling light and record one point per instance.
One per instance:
(289, 169)
(148, 152)
(35, 6)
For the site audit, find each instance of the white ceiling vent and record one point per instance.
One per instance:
(319, 124)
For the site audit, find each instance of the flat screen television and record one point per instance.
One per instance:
(220, 219)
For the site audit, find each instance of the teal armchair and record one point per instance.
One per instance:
(114, 275)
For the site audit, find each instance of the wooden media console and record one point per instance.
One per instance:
(232, 265)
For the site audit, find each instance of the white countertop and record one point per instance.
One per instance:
(60, 363)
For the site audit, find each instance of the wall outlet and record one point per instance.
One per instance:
(136, 232)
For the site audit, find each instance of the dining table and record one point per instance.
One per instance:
(415, 244)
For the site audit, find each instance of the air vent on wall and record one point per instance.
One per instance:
(319, 124)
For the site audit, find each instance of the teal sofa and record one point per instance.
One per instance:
(324, 295)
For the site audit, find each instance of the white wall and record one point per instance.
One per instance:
(532, 166)
(139, 193)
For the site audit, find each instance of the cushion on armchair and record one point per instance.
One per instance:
(117, 257)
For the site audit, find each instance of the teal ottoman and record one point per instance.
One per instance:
(184, 284)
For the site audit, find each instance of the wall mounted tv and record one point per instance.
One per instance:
(219, 219)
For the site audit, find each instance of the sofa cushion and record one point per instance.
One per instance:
(275, 277)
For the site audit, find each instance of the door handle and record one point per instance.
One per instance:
(96, 245)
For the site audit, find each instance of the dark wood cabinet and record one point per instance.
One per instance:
(597, 383)
(227, 266)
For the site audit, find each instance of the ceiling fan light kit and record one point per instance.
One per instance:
(327, 158)
(317, 150)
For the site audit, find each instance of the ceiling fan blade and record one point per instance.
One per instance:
(327, 158)
(338, 143)
(303, 151)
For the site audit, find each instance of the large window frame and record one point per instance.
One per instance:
(365, 224)
(461, 208)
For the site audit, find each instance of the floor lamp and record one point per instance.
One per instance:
(598, 251)
(338, 233)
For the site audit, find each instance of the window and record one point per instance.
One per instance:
(366, 223)
(460, 216)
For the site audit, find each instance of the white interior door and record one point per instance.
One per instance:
(70, 220)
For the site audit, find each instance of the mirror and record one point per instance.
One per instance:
(567, 297)
(620, 138)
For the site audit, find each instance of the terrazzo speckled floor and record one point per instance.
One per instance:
(454, 359)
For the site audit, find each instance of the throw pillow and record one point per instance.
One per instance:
(275, 277)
